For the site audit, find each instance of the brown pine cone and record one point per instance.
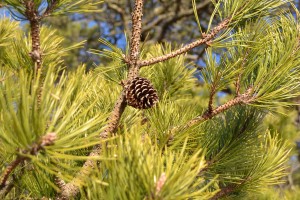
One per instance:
(140, 93)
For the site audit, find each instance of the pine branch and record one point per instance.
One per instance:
(46, 140)
(211, 98)
(242, 99)
(9, 169)
(50, 8)
(7, 189)
(188, 47)
(34, 19)
(70, 190)
(135, 39)
(226, 191)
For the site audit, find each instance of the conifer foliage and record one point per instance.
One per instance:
(141, 127)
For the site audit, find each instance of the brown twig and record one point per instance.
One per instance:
(242, 99)
(6, 189)
(46, 140)
(50, 8)
(9, 169)
(71, 189)
(33, 16)
(135, 39)
(211, 98)
(225, 191)
(188, 47)
(228, 190)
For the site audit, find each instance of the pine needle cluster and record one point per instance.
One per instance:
(70, 133)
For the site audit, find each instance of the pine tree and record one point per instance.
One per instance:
(141, 126)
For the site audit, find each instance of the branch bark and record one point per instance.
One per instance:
(34, 19)
(244, 98)
(9, 169)
(228, 190)
(50, 8)
(187, 47)
(225, 191)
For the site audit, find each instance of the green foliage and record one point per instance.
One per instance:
(266, 58)
(80, 6)
(17, 46)
(247, 10)
(172, 78)
(64, 109)
(141, 167)
(7, 29)
(237, 150)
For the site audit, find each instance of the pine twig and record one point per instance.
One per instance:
(228, 190)
(6, 189)
(9, 169)
(242, 99)
(50, 8)
(188, 47)
(34, 19)
(135, 38)
(211, 99)
(70, 190)
(225, 191)
(46, 140)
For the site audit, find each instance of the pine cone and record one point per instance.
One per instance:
(140, 93)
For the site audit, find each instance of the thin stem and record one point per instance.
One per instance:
(242, 99)
(50, 8)
(34, 19)
(188, 47)
(211, 99)
(9, 169)
(225, 191)
(7, 188)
